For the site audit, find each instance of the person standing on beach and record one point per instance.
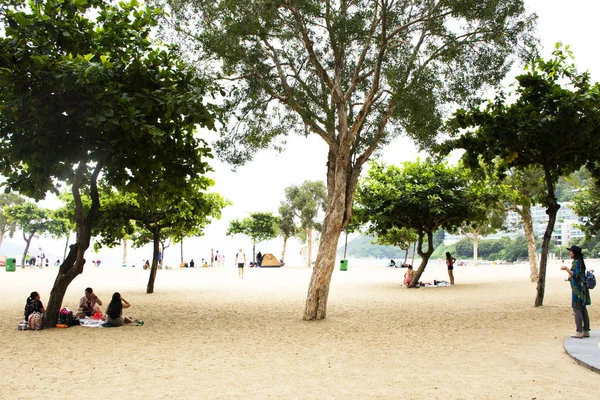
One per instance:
(580, 294)
(240, 259)
(212, 257)
(450, 264)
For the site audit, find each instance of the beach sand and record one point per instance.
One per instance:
(210, 335)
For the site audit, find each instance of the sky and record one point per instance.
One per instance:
(259, 185)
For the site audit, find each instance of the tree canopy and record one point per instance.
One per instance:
(259, 226)
(86, 94)
(553, 123)
(421, 196)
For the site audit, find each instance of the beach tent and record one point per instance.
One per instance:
(269, 260)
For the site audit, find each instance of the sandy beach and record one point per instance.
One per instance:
(210, 335)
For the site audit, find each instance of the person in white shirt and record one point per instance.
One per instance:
(240, 259)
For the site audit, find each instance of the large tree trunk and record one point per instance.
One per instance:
(66, 247)
(424, 257)
(73, 264)
(27, 243)
(413, 254)
(341, 184)
(124, 251)
(284, 246)
(156, 243)
(552, 210)
(346, 245)
(529, 236)
(405, 256)
(181, 249)
(253, 251)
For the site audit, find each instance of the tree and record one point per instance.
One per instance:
(259, 226)
(587, 205)
(7, 225)
(355, 73)
(306, 202)
(287, 226)
(421, 196)
(31, 220)
(490, 221)
(103, 100)
(158, 206)
(401, 237)
(526, 188)
(554, 123)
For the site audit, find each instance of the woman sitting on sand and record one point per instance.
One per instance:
(114, 312)
(33, 305)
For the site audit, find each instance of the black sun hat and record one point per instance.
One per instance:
(575, 249)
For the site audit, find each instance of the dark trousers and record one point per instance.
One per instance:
(582, 319)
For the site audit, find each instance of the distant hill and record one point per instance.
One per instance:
(11, 249)
(361, 247)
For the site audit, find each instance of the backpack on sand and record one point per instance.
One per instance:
(590, 279)
(34, 322)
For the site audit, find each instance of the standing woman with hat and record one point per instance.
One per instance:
(580, 297)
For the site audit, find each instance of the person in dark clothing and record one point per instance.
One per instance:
(259, 259)
(33, 304)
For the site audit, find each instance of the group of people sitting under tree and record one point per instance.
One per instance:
(89, 304)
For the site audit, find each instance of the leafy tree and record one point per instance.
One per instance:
(587, 205)
(553, 124)
(154, 208)
(421, 196)
(259, 226)
(354, 73)
(526, 188)
(102, 100)
(400, 237)
(306, 202)
(31, 220)
(287, 226)
(464, 248)
(7, 225)
(491, 219)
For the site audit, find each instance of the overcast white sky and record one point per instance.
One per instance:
(259, 186)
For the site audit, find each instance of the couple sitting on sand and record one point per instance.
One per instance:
(89, 304)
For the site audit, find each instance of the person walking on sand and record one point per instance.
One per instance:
(212, 257)
(240, 260)
(580, 294)
(450, 264)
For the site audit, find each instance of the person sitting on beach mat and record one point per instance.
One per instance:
(88, 304)
(114, 311)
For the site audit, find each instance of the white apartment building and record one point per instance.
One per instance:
(565, 228)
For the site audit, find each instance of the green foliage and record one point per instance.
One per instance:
(287, 226)
(259, 226)
(421, 196)
(553, 124)
(305, 64)
(400, 237)
(8, 225)
(306, 202)
(586, 204)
